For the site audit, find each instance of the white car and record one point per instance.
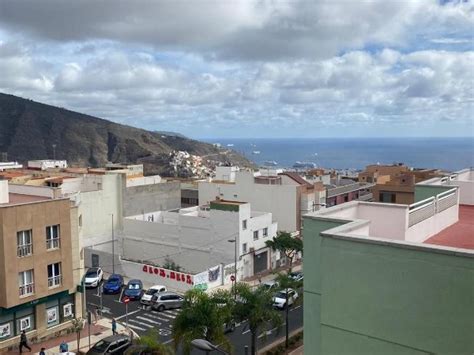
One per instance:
(93, 277)
(279, 299)
(146, 298)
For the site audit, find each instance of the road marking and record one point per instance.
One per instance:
(268, 332)
(174, 311)
(157, 317)
(129, 314)
(140, 323)
(148, 320)
(168, 341)
(170, 316)
(136, 327)
(246, 331)
(295, 308)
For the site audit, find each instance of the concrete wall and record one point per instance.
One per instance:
(386, 220)
(153, 197)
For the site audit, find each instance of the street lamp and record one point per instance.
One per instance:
(113, 246)
(203, 344)
(235, 264)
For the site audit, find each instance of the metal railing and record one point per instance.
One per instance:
(54, 281)
(27, 289)
(24, 250)
(52, 243)
(425, 209)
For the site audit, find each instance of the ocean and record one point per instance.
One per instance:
(355, 153)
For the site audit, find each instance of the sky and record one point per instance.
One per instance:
(248, 68)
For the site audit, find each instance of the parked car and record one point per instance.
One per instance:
(113, 284)
(146, 298)
(114, 344)
(279, 299)
(93, 277)
(296, 275)
(133, 290)
(166, 300)
(269, 285)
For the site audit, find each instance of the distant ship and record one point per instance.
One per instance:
(270, 163)
(230, 145)
(256, 152)
(304, 165)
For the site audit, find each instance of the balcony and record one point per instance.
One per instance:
(27, 289)
(24, 250)
(52, 243)
(54, 281)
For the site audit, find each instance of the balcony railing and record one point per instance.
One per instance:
(25, 250)
(27, 289)
(419, 211)
(54, 281)
(52, 243)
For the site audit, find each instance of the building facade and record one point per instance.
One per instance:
(39, 251)
(393, 278)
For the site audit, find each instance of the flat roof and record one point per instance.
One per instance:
(460, 234)
(16, 199)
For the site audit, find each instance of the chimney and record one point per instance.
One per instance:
(4, 191)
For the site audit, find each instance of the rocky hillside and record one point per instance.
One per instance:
(31, 130)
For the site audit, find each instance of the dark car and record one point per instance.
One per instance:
(114, 344)
(296, 275)
(133, 290)
(113, 284)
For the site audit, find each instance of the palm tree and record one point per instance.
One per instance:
(285, 283)
(286, 244)
(203, 316)
(256, 307)
(150, 344)
(77, 324)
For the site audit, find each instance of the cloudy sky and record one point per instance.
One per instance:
(248, 68)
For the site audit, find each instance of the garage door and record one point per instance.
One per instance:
(260, 262)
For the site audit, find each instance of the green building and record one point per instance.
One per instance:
(392, 279)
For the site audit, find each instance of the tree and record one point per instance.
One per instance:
(287, 245)
(203, 316)
(256, 307)
(150, 344)
(77, 326)
(285, 283)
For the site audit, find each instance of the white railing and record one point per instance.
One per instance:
(27, 289)
(425, 209)
(54, 281)
(52, 243)
(24, 250)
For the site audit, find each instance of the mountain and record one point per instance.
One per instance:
(30, 130)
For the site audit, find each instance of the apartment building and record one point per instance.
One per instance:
(395, 183)
(393, 278)
(286, 195)
(39, 266)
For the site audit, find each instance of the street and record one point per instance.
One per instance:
(141, 321)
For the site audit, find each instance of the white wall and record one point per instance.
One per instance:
(44, 191)
(4, 197)
(386, 220)
(144, 180)
(280, 200)
(466, 191)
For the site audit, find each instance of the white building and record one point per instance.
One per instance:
(286, 195)
(10, 165)
(198, 238)
(47, 164)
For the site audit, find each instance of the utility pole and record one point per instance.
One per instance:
(113, 246)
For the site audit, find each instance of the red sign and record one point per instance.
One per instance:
(126, 300)
(232, 278)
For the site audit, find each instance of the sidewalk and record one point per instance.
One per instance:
(98, 330)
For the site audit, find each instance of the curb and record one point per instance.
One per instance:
(279, 341)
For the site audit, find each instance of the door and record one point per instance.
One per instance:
(260, 262)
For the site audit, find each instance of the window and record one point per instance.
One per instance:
(25, 243)
(54, 275)
(80, 220)
(265, 232)
(244, 224)
(52, 237)
(244, 248)
(255, 235)
(387, 197)
(26, 283)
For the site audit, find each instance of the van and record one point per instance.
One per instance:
(166, 300)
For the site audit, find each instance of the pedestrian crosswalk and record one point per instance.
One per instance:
(144, 320)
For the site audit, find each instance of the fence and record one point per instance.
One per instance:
(425, 209)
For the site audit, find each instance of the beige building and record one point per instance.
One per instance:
(40, 266)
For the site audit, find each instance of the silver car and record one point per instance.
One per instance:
(166, 300)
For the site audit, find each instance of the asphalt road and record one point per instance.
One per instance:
(141, 320)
